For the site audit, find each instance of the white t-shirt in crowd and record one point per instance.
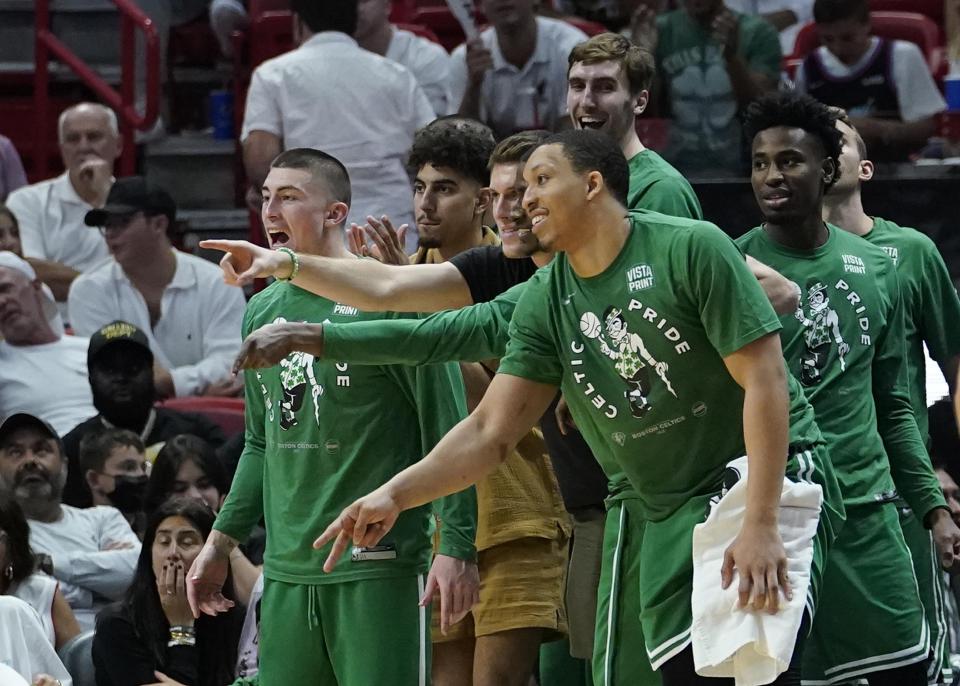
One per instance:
(429, 62)
(48, 381)
(917, 93)
(198, 334)
(90, 572)
(38, 591)
(23, 646)
(534, 97)
(332, 95)
(803, 9)
(50, 214)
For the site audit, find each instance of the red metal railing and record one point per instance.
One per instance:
(122, 102)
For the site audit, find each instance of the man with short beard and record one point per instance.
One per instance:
(120, 369)
(93, 551)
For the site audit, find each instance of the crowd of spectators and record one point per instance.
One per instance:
(107, 495)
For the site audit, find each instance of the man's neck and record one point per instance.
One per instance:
(153, 273)
(847, 213)
(518, 43)
(542, 259)
(330, 243)
(42, 334)
(46, 511)
(598, 247)
(631, 144)
(804, 234)
(378, 41)
(458, 244)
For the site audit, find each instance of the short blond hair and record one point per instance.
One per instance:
(637, 62)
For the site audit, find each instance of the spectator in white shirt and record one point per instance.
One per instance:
(51, 212)
(513, 76)
(332, 95)
(190, 317)
(42, 371)
(428, 61)
(93, 552)
(787, 16)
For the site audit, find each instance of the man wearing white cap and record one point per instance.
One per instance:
(42, 371)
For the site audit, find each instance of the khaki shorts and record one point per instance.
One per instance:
(521, 587)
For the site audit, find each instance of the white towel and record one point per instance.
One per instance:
(752, 647)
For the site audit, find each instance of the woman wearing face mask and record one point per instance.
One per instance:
(20, 578)
(188, 465)
(114, 464)
(151, 635)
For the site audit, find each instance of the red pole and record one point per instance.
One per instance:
(41, 85)
(127, 92)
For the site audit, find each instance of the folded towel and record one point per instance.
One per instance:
(752, 647)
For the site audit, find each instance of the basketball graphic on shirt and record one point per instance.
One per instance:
(590, 325)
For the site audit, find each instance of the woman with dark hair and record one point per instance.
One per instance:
(20, 577)
(152, 631)
(10, 231)
(188, 466)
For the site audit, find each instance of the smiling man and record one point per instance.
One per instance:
(190, 318)
(318, 433)
(720, 326)
(846, 345)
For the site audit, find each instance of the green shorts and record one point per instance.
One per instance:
(869, 617)
(328, 633)
(616, 655)
(649, 573)
(933, 587)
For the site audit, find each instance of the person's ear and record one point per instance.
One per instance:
(336, 213)
(866, 170)
(640, 102)
(484, 198)
(93, 481)
(830, 171)
(595, 184)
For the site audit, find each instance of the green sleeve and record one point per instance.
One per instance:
(910, 466)
(733, 307)
(437, 391)
(673, 196)
(243, 508)
(760, 46)
(940, 312)
(470, 334)
(531, 353)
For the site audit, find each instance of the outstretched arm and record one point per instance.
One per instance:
(364, 284)
(474, 448)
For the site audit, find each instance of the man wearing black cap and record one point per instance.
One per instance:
(190, 317)
(93, 551)
(120, 367)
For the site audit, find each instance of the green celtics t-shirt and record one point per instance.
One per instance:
(320, 434)
(705, 130)
(656, 185)
(638, 351)
(931, 305)
(845, 346)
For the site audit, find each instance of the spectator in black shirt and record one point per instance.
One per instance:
(120, 368)
(152, 629)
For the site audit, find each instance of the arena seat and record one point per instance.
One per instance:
(227, 413)
(908, 26)
(929, 8)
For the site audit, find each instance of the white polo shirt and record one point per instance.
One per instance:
(534, 97)
(332, 95)
(50, 214)
(917, 93)
(429, 62)
(198, 334)
(48, 381)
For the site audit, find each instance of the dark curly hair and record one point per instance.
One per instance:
(177, 450)
(19, 555)
(461, 144)
(797, 111)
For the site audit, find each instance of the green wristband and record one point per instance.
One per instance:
(293, 259)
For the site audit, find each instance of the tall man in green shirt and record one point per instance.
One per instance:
(931, 318)
(845, 343)
(317, 433)
(676, 453)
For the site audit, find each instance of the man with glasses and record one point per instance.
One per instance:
(191, 318)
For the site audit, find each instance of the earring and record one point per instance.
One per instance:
(8, 572)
